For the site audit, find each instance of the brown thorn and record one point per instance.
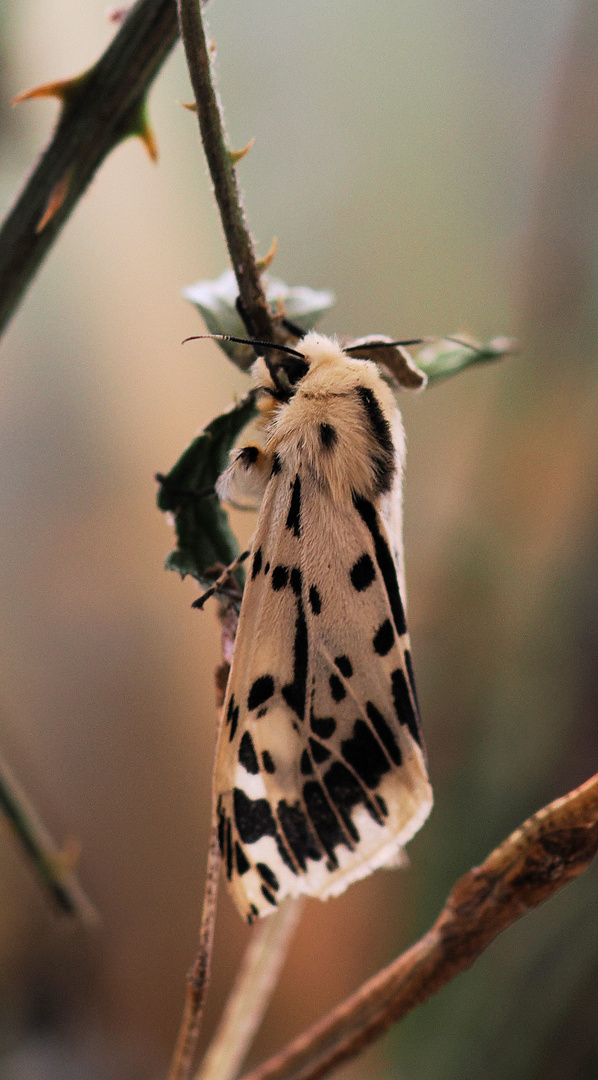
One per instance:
(266, 262)
(61, 89)
(148, 138)
(236, 155)
(56, 198)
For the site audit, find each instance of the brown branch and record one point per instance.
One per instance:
(103, 107)
(198, 978)
(223, 173)
(547, 851)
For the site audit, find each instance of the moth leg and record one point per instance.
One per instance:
(199, 603)
(244, 482)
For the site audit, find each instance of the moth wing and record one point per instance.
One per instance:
(320, 775)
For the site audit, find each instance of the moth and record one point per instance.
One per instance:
(320, 771)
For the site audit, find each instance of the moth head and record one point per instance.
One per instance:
(278, 367)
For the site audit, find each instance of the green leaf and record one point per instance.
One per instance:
(215, 301)
(204, 536)
(444, 358)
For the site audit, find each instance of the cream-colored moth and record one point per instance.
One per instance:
(320, 772)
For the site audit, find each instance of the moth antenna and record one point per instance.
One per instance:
(246, 341)
(199, 603)
(465, 344)
(412, 341)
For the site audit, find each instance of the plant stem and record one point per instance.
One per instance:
(50, 864)
(223, 173)
(251, 993)
(104, 108)
(546, 852)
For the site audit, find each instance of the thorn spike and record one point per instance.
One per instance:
(266, 262)
(62, 89)
(56, 198)
(236, 155)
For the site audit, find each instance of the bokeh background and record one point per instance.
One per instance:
(436, 165)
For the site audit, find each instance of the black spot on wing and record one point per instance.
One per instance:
(232, 717)
(268, 876)
(322, 726)
(383, 462)
(284, 855)
(266, 568)
(384, 733)
(294, 514)
(280, 577)
(305, 764)
(336, 688)
(365, 755)
(382, 805)
(344, 665)
(276, 465)
(296, 580)
(362, 573)
(403, 704)
(257, 564)
(261, 712)
(385, 561)
(247, 754)
(315, 601)
(267, 762)
(243, 864)
(384, 638)
(228, 844)
(346, 792)
(324, 820)
(253, 817)
(254, 910)
(328, 436)
(261, 690)
(297, 833)
(409, 666)
(269, 896)
(295, 693)
(320, 753)
(221, 826)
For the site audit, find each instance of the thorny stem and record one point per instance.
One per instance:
(105, 109)
(50, 864)
(546, 852)
(223, 173)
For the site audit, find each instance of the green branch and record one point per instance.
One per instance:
(53, 867)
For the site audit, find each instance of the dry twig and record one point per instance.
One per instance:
(547, 851)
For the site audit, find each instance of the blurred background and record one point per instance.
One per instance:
(436, 165)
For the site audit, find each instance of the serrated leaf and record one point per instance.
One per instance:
(215, 301)
(203, 534)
